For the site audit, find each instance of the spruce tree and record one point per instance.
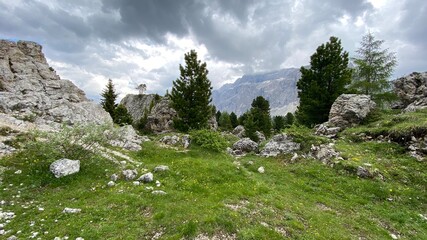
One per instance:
(108, 100)
(260, 111)
(289, 119)
(278, 123)
(233, 119)
(224, 121)
(191, 95)
(374, 67)
(250, 127)
(323, 82)
(122, 116)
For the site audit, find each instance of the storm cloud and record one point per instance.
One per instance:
(136, 42)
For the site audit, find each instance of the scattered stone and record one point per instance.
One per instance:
(64, 167)
(245, 145)
(324, 152)
(422, 217)
(136, 183)
(80, 238)
(260, 135)
(170, 140)
(114, 177)
(127, 139)
(158, 184)
(158, 192)
(41, 209)
(294, 157)
(6, 215)
(325, 130)
(13, 237)
(363, 172)
(261, 169)
(251, 162)
(239, 131)
(161, 168)
(130, 174)
(18, 172)
(148, 177)
(185, 139)
(279, 144)
(111, 184)
(71, 210)
(394, 236)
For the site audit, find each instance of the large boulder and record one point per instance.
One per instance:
(160, 119)
(239, 131)
(64, 167)
(137, 105)
(412, 91)
(128, 139)
(245, 145)
(350, 109)
(279, 144)
(31, 89)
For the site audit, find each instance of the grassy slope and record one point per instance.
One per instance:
(209, 194)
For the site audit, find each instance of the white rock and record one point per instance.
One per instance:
(114, 177)
(18, 172)
(158, 184)
(393, 236)
(130, 174)
(64, 167)
(148, 177)
(261, 169)
(158, 192)
(111, 184)
(71, 210)
(161, 168)
(80, 238)
(136, 183)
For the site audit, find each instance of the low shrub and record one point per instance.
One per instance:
(209, 140)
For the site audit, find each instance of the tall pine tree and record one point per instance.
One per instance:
(323, 82)
(108, 100)
(374, 67)
(191, 95)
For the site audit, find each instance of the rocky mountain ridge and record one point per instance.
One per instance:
(278, 87)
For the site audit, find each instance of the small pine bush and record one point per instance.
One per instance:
(209, 140)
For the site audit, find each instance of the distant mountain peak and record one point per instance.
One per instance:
(278, 87)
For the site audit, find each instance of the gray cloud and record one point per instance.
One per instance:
(242, 36)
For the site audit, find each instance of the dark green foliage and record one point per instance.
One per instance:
(217, 115)
(191, 95)
(224, 122)
(233, 119)
(210, 140)
(122, 116)
(109, 96)
(241, 120)
(374, 67)
(250, 128)
(289, 119)
(323, 82)
(260, 112)
(278, 123)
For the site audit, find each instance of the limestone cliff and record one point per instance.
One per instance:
(31, 89)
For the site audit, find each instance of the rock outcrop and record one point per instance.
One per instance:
(244, 145)
(31, 90)
(137, 104)
(347, 110)
(279, 144)
(412, 91)
(160, 119)
(64, 167)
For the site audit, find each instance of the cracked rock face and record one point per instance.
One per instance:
(412, 91)
(30, 88)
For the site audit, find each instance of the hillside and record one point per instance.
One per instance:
(211, 195)
(278, 87)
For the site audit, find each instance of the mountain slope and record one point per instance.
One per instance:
(278, 87)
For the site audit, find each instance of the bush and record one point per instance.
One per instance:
(209, 140)
(305, 136)
(73, 142)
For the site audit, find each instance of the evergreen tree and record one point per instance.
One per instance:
(109, 96)
(224, 121)
(191, 95)
(278, 123)
(122, 116)
(242, 118)
(289, 119)
(374, 67)
(233, 119)
(250, 128)
(323, 82)
(218, 116)
(260, 111)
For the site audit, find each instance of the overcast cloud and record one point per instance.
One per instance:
(135, 42)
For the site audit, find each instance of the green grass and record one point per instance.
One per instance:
(212, 193)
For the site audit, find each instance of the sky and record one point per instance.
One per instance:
(134, 42)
